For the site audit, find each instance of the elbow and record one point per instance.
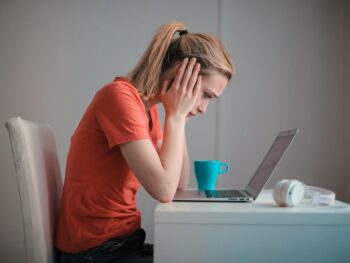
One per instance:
(162, 198)
(166, 196)
(165, 200)
(164, 191)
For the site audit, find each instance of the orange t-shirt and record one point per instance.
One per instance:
(99, 194)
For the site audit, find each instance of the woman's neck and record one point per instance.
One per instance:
(150, 103)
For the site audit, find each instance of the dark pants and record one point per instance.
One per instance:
(124, 250)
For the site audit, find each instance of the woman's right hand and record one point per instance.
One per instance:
(180, 98)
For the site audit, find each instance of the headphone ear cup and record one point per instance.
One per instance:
(277, 192)
(291, 193)
(296, 193)
(288, 192)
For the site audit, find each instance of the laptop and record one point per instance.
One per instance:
(257, 182)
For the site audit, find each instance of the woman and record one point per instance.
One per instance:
(119, 144)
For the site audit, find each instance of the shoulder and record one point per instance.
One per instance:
(120, 85)
(119, 90)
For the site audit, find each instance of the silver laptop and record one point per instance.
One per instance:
(256, 184)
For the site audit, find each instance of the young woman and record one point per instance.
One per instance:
(119, 144)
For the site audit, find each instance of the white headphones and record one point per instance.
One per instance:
(293, 192)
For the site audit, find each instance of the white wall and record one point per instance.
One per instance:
(347, 97)
(290, 73)
(56, 54)
(290, 68)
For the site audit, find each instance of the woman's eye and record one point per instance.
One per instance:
(206, 96)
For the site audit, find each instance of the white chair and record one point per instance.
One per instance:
(39, 183)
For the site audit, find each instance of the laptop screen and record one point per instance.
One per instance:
(270, 162)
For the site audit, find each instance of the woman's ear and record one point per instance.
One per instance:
(170, 73)
(170, 82)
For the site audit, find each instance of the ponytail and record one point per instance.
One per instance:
(147, 73)
(165, 51)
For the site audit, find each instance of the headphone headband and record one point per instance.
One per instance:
(321, 195)
(292, 192)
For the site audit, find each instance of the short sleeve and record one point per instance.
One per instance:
(121, 115)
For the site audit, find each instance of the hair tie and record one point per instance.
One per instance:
(183, 32)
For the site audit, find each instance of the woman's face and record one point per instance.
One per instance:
(213, 85)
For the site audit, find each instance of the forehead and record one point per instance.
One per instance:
(215, 82)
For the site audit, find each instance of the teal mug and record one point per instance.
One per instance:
(208, 171)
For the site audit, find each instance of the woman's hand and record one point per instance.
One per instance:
(180, 98)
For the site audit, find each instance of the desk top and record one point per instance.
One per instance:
(262, 211)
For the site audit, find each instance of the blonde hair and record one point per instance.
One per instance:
(165, 50)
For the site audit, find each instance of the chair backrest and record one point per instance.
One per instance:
(39, 183)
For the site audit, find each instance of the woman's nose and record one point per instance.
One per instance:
(202, 108)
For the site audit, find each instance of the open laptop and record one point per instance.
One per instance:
(256, 184)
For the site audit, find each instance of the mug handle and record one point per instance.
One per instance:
(226, 169)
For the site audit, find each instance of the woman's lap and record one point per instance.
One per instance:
(131, 249)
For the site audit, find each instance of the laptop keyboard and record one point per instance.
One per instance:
(223, 193)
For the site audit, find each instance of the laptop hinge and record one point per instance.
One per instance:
(253, 193)
(245, 193)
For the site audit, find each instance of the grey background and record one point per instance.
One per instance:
(293, 70)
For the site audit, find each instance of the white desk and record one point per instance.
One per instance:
(251, 232)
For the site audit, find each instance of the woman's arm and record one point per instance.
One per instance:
(185, 170)
(159, 173)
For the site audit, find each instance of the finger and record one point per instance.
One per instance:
(193, 79)
(180, 72)
(188, 73)
(198, 87)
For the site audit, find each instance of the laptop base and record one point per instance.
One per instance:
(200, 196)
